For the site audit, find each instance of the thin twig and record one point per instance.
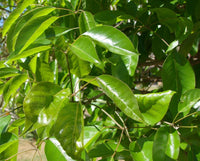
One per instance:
(126, 130)
(185, 117)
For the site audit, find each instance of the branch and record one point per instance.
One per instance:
(3, 9)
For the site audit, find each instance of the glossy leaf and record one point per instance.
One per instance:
(86, 21)
(121, 95)
(8, 72)
(154, 106)
(15, 14)
(173, 145)
(188, 99)
(67, 128)
(32, 31)
(12, 85)
(84, 48)
(112, 39)
(177, 74)
(54, 151)
(43, 103)
(160, 144)
(141, 150)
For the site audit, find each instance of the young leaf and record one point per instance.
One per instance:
(67, 128)
(54, 151)
(86, 21)
(112, 39)
(188, 99)
(84, 48)
(121, 95)
(154, 105)
(15, 14)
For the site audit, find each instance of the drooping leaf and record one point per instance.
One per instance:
(4, 123)
(121, 95)
(177, 74)
(141, 150)
(112, 39)
(160, 144)
(54, 151)
(154, 106)
(8, 72)
(15, 14)
(86, 21)
(67, 128)
(32, 31)
(84, 48)
(173, 145)
(188, 99)
(12, 85)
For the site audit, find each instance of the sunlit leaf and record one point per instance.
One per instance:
(15, 14)
(121, 95)
(154, 105)
(4, 123)
(8, 72)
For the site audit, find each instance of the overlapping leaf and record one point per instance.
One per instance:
(121, 95)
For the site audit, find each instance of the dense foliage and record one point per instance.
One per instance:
(106, 79)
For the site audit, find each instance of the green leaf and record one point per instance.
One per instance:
(160, 144)
(27, 53)
(112, 39)
(78, 66)
(12, 85)
(14, 15)
(43, 103)
(32, 31)
(4, 123)
(8, 72)
(86, 21)
(177, 74)
(154, 106)
(188, 100)
(67, 128)
(54, 151)
(23, 21)
(173, 145)
(84, 48)
(6, 140)
(121, 95)
(167, 17)
(141, 150)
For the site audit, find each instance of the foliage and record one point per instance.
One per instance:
(79, 74)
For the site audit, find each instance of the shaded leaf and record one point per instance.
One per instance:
(154, 106)
(15, 14)
(188, 99)
(4, 123)
(8, 72)
(67, 128)
(86, 21)
(121, 95)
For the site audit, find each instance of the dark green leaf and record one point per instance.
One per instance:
(67, 128)
(8, 72)
(154, 105)
(4, 123)
(121, 95)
